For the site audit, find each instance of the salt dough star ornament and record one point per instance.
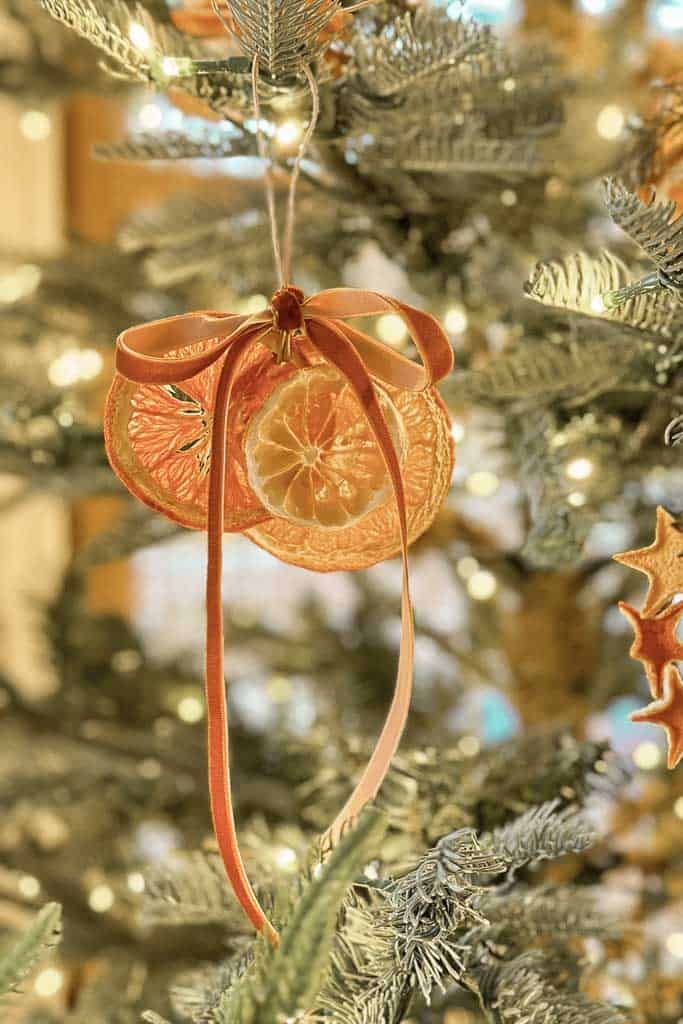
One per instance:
(661, 561)
(667, 712)
(655, 642)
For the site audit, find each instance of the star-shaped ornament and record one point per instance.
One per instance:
(662, 562)
(655, 642)
(667, 712)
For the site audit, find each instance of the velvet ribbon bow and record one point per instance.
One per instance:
(142, 356)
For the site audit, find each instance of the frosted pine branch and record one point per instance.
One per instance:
(652, 226)
(211, 144)
(283, 34)
(579, 283)
(41, 936)
(542, 833)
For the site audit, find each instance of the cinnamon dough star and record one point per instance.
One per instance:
(655, 643)
(661, 561)
(667, 712)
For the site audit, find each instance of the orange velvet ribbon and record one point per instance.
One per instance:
(142, 356)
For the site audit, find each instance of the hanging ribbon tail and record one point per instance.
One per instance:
(383, 362)
(217, 714)
(332, 343)
(142, 356)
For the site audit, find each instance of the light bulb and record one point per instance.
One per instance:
(139, 36)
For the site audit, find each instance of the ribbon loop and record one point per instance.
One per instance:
(142, 351)
(381, 361)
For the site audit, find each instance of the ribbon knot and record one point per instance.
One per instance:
(143, 355)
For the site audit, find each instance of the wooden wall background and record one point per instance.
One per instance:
(48, 189)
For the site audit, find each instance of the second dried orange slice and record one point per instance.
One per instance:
(312, 457)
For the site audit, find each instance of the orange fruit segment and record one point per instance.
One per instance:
(312, 457)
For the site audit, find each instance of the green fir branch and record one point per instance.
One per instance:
(41, 936)
(285, 981)
(541, 833)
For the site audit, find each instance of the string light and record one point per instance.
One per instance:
(48, 982)
(285, 858)
(455, 320)
(482, 585)
(457, 431)
(73, 365)
(288, 133)
(150, 116)
(508, 197)
(19, 283)
(483, 483)
(469, 746)
(391, 329)
(136, 882)
(678, 808)
(101, 899)
(611, 122)
(35, 125)
(29, 887)
(467, 566)
(647, 755)
(190, 709)
(579, 469)
(674, 944)
(665, 17)
(576, 499)
(139, 36)
(597, 304)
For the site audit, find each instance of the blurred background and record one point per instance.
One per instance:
(521, 651)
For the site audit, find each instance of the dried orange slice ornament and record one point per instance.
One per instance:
(312, 458)
(321, 444)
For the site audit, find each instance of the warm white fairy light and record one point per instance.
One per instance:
(469, 746)
(611, 121)
(139, 36)
(190, 709)
(150, 117)
(391, 329)
(288, 133)
(482, 585)
(74, 365)
(678, 808)
(285, 858)
(467, 566)
(508, 197)
(19, 282)
(29, 887)
(647, 755)
(101, 898)
(48, 982)
(35, 125)
(674, 944)
(579, 469)
(455, 320)
(457, 430)
(576, 499)
(483, 483)
(597, 304)
(136, 882)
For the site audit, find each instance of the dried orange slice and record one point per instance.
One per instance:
(158, 439)
(427, 449)
(312, 457)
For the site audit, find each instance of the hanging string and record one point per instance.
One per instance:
(283, 267)
(296, 171)
(268, 173)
